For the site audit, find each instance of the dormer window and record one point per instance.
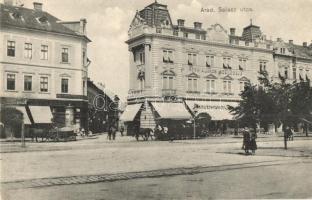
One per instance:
(282, 50)
(43, 20)
(16, 15)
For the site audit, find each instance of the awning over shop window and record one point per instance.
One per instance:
(216, 109)
(41, 114)
(130, 112)
(22, 109)
(172, 110)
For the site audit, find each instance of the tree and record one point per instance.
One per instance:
(12, 120)
(301, 102)
(267, 102)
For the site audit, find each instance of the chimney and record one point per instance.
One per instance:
(82, 28)
(305, 44)
(197, 25)
(8, 2)
(291, 42)
(37, 6)
(232, 31)
(181, 22)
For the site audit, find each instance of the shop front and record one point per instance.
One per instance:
(213, 116)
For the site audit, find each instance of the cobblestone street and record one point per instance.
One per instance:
(99, 160)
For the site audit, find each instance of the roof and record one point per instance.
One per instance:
(296, 50)
(155, 14)
(21, 17)
(251, 32)
(300, 51)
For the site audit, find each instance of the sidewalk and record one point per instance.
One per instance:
(101, 141)
(125, 155)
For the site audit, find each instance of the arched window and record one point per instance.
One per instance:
(192, 82)
(168, 80)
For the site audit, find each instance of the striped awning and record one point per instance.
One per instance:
(130, 112)
(41, 114)
(176, 111)
(216, 109)
(22, 109)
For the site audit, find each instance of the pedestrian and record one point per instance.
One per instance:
(253, 143)
(110, 133)
(122, 129)
(246, 140)
(114, 130)
(165, 131)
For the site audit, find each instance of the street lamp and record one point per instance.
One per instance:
(194, 128)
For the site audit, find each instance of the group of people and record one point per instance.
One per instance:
(162, 133)
(249, 141)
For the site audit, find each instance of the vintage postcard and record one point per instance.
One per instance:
(155, 99)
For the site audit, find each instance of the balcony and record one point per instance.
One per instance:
(169, 92)
(192, 92)
(132, 93)
(227, 93)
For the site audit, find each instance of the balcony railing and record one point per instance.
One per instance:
(169, 92)
(193, 92)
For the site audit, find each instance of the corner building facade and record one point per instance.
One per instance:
(43, 66)
(201, 69)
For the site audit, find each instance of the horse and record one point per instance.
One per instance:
(145, 133)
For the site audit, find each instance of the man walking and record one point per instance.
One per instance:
(246, 140)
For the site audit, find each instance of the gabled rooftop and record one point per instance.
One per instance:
(35, 19)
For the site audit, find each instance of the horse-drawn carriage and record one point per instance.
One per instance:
(53, 134)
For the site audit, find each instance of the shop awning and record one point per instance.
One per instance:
(41, 114)
(172, 111)
(216, 109)
(130, 112)
(22, 109)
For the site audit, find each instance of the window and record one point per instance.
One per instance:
(27, 83)
(242, 64)
(282, 50)
(301, 74)
(262, 66)
(294, 70)
(28, 50)
(10, 81)
(209, 61)
(44, 52)
(65, 55)
(83, 57)
(307, 75)
(191, 59)
(210, 86)
(141, 84)
(64, 88)
(227, 86)
(242, 85)
(168, 82)
(175, 32)
(44, 84)
(167, 56)
(139, 57)
(203, 37)
(286, 72)
(185, 35)
(142, 58)
(227, 63)
(192, 84)
(197, 36)
(11, 48)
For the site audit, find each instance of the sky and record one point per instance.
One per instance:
(108, 23)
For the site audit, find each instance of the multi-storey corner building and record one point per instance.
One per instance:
(175, 68)
(43, 64)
